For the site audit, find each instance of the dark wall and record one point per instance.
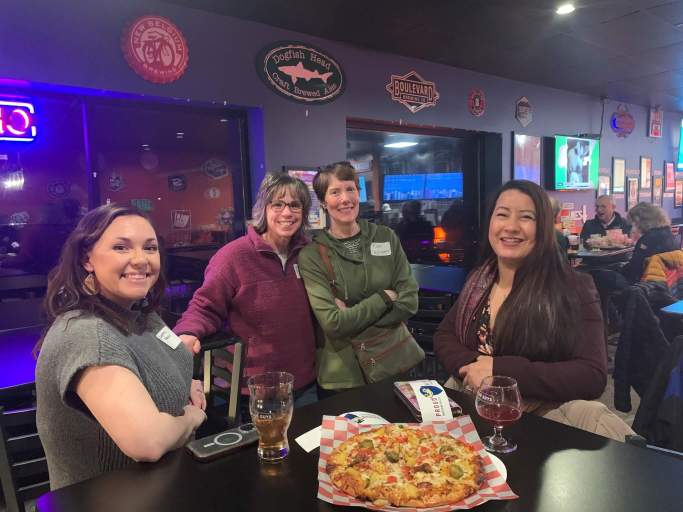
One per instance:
(76, 43)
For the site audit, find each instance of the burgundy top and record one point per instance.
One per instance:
(583, 376)
(264, 305)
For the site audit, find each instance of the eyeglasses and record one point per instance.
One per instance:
(279, 206)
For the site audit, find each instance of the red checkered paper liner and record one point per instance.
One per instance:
(337, 429)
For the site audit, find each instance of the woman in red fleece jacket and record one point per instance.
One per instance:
(526, 314)
(254, 284)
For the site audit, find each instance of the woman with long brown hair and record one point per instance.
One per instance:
(524, 313)
(113, 383)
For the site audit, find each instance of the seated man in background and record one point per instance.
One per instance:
(606, 217)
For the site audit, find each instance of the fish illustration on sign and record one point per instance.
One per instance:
(299, 71)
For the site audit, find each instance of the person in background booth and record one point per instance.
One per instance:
(374, 288)
(110, 390)
(254, 284)
(652, 229)
(524, 313)
(415, 232)
(606, 217)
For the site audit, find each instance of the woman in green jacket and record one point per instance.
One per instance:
(360, 287)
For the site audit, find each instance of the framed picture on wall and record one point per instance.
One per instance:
(526, 161)
(678, 196)
(603, 185)
(316, 217)
(657, 190)
(670, 176)
(632, 192)
(645, 171)
(618, 174)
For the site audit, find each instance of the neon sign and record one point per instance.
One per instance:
(16, 121)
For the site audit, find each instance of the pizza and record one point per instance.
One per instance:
(405, 466)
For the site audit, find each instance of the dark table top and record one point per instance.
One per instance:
(602, 253)
(556, 468)
(438, 278)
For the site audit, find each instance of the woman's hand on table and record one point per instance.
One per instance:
(472, 374)
(195, 415)
(197, 396)
(191, 343)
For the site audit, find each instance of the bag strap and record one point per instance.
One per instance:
(322, 250)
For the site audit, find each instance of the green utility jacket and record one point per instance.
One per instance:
(362, 281)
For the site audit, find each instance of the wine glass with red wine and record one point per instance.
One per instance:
(499, 403)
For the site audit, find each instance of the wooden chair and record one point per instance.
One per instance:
(23, 467)
(223, 368)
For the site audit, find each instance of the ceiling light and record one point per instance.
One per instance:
(565, 9)
(400, 144)
(180, 134)
(223, 120)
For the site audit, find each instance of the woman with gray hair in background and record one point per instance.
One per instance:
(652, 230)
(253, 283)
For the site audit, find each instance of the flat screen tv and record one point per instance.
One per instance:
(443, 185)
(363, 191)
(403, 187)
(527, 158)
(577, 163)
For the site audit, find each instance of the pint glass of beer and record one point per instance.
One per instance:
(271, 402)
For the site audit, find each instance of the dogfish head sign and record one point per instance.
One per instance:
(300, 72)
(412, 91)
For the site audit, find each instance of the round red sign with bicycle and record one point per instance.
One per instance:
(155, 48)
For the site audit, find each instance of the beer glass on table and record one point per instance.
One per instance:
(499, 403)
(271, 402)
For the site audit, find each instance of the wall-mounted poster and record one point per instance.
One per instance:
(181, 219)
(678, 196)
(526, 157)
(645, 172)
(656, 121)
(657, 182)
(618, 174)
(300, 72)
(670, 175)
(412, 91)
(155, 49)
(316, 217)
(632, 192)
(603, 185)
(524, 112)
(622, 122)
(476, 102)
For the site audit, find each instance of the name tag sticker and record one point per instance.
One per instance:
(380, 249)
(296, 271)
(432, 400)
(169, 337)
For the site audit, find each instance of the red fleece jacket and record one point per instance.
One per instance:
(264, 305)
